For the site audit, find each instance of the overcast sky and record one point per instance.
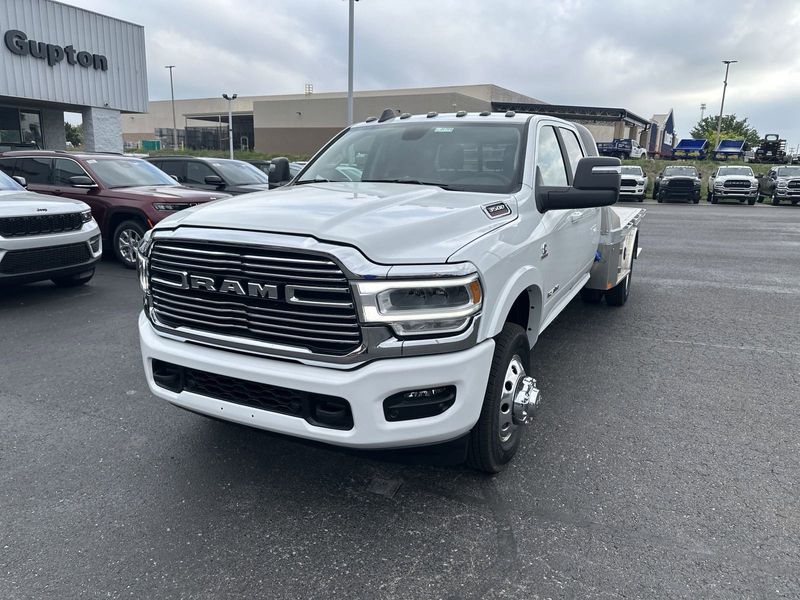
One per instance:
(647, 57)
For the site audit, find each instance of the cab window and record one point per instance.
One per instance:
(550, 166)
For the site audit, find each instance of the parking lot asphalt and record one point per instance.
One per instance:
(664, 463)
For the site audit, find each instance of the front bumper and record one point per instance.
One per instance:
(364, 388)
(89, 234)
(787, 192)
(736, 193)
(631, 190)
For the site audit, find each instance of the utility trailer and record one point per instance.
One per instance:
(731, 150)
(691, 148)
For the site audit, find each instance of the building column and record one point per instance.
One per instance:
(619, 130)
(102, 130)
(53, 129)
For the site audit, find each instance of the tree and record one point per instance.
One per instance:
(732, 129)
(73, 133)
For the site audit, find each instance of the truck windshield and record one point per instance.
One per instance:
(6, 183)
(680, 172)
(789, 172)
(128, 172)
(746, 171)
(632, 171)
(461, 156)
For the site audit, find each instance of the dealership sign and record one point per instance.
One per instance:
(18, 43)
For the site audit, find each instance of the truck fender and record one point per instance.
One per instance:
(526, 279)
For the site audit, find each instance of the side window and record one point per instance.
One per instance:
(64, 169)
(573, 148)
(7, 166)
(549, 161)
(196, 172)
(34, 170)
(175, 168)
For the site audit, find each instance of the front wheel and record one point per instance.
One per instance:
(495, 438)
(714, 199)
(775, 200)
(125, 240)
(751, 201)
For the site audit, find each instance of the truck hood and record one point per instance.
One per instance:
(15, 203)
(168, 193)
(390, 223)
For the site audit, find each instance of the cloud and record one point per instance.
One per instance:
(646, 57)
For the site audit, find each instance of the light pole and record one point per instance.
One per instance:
(174, 121)
(350, 63)
(230, 99)
(702, 110)
(728, 64)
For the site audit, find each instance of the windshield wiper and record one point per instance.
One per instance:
(444, 186)
(317, 179)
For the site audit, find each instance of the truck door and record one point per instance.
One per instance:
(562, 254)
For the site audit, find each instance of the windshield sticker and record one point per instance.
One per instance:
(497, 210)
(443, 130)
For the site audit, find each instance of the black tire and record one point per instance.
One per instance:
(709, 196)
(126, 234)
(618, 295)
(775, 200)
(591, 296)
(760, 199)
(73, 280)
(660, 197)
(641, 198)
(487, 452)
(714, 199)
(751, 201)
(696, 199)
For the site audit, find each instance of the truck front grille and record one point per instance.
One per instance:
(16, 262)
(628, 182)
(310, 304)
(737, 183)
(680, 184)
(794, 183)
(40, 224)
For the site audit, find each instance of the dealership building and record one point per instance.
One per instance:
(57, 58)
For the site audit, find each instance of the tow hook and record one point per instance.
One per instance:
(526, 402)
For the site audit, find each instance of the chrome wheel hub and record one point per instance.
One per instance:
(129, 240)
(518, 399)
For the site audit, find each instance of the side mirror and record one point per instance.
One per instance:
(214, 180)
(175, 177)
(82, 181)
(21, 180)
(596, 183)
(279, 171)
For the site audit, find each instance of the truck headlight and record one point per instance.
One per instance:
(421, 307)
(142, 260)
(782, 182)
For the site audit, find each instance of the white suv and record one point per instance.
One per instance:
(44, 237)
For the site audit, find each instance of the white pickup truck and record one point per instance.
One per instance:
(390, 295)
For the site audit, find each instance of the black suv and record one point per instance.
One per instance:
(679, 182)
(213, 174)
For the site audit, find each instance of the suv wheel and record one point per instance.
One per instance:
(126, 238)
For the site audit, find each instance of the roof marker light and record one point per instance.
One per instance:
(405, 115)
(485, 113)
(371, 119)
(432, 114)
(511, 113)
(461, 113)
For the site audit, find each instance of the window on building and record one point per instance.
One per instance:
(31, 125)
(34, 170)
(549, 161)
(196, 172)
(9, 125)
(64, 169)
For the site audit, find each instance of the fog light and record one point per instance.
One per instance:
(419, 404)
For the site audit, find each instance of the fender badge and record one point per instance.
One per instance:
(41, 210)
(496, 210)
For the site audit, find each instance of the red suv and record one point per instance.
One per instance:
(127, 195)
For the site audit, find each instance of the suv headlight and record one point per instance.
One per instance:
(421, 307)
(171, 206)
(86, 215)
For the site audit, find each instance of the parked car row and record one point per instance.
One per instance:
(127, 196)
